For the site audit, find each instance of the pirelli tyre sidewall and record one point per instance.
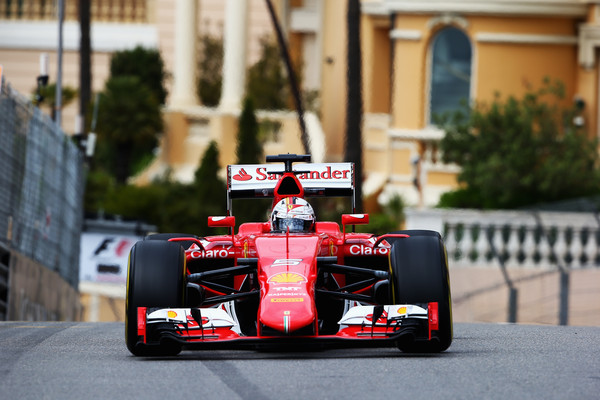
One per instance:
(419, 270)
(155, 278)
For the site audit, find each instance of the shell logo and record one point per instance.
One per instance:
(402, 310)
(171, 314)
(287, 277)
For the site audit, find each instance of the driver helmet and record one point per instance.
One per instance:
(292, 213)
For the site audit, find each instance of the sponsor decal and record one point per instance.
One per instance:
(402, 310)
(287, 277)
(286, 294)
(216, 253)
(286, 261)
(287, 300)
(286, 323)
(247, 176)
(327, 174)
(290, 207)
(362, 250)
(381, 320)
(287, 288)
(171, 314)
(104, 258)
(242, 175)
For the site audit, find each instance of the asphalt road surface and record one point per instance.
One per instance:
(486, 361)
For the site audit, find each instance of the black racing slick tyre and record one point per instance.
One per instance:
(419, 270)
(155, 278)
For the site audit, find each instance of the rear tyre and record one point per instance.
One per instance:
(419, 270)
(155, 278)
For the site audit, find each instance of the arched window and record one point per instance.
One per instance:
(450, 71)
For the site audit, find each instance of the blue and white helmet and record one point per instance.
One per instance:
(292, 213)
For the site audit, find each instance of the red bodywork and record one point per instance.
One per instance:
(287, 281)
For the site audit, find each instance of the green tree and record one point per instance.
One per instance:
(267, 84)
(98, 186)
(129, 121)
(46, 96)
(210, 189)
(389, 219)
(249, 151)
(171, 206)
(519, 152)
(146, 64)
(211, 67)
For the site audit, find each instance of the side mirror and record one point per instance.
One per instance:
(354, 219)
(221, 222)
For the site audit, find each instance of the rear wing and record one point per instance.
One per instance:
(317, 179)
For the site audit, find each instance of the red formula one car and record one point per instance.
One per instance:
(292, 280)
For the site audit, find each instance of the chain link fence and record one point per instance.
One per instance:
(41, 187)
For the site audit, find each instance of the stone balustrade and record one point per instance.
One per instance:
(130, 11)
(526, 239)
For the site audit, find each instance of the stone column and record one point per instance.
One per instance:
(184, 76)
(234, 55)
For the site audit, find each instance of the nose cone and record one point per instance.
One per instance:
(288, 273)
(287, 310)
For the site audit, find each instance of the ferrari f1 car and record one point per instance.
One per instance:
(290, 280)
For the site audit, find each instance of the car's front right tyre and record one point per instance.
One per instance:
(419, 275)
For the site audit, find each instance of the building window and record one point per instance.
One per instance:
(450, 71)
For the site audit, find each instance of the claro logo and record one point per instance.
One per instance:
(216, 253)
(361, 250)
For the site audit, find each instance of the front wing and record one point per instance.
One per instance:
(216, 327)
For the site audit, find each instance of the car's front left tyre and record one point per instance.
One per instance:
(155, 278)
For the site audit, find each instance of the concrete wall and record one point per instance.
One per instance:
(39, 294)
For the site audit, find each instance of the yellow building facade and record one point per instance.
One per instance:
(504, 46)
